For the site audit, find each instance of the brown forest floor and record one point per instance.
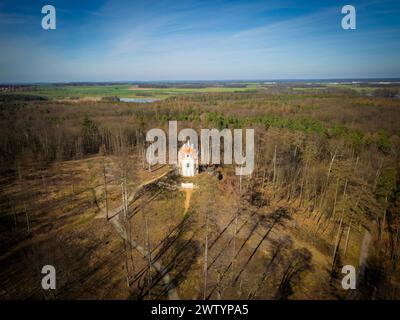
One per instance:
(63, 206)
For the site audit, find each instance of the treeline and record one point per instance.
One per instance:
(59, 131)
(21, 97)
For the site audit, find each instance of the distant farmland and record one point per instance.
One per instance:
(162, 90)
(123, 90)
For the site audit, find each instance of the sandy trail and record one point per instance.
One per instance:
(188, 193)
(172, 294)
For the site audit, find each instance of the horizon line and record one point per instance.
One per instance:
(203, 80)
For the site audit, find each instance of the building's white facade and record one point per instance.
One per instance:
(188, 165)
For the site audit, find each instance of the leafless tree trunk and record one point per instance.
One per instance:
(45, 185)
(14, 215)
(28, 227)
(330, 166)
(126, 262)
(381, 233)
(335, 201)
(274, 163)
(378, 172)
(105, 189)
(347, 239)
(149, 278)
(234, 243)
(205, 267)
(337, 241)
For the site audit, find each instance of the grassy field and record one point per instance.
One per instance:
(124, 91)
(157, 91)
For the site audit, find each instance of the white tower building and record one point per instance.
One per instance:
(188, 162)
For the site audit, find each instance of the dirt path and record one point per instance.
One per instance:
(188, 193)
(116, 222)
(172, 294)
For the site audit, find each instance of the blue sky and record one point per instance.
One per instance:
(197, 40)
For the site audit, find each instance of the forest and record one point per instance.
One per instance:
(77, 193)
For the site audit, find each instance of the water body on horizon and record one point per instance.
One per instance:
(139, 100)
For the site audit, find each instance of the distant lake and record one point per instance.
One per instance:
(139, 100)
